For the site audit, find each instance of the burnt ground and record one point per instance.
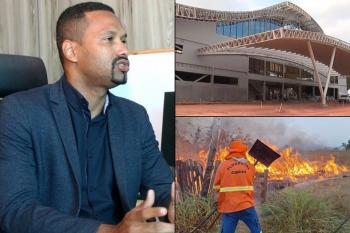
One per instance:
(263, 109)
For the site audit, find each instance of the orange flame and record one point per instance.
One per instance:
(289, 166)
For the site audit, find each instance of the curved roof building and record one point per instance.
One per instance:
(279, 52)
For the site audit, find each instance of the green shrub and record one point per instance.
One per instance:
(191, 210)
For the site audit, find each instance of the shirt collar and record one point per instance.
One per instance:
(77, 100)
(74, 98)
(106, 103)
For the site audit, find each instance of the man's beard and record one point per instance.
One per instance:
(119, 77)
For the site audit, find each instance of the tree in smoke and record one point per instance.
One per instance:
(211, 155)
(346, 145)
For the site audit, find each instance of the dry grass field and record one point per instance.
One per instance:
(263, 109)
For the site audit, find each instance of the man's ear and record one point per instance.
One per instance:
(69, 51)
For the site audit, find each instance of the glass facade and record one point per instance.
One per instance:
(334, 79)
(274, 69)
(306, 76)
(251, 27)
(292, 72)
(256, 66)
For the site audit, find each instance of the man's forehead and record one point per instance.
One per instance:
(100, 21)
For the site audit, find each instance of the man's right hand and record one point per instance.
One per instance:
(135, 220)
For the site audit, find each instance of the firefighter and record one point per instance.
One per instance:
(234, 184)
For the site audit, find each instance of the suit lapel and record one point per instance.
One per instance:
(65, 128)
(116, 132)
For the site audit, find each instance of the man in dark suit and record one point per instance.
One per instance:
(73, 157)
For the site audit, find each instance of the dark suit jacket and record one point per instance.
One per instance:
(39, 163)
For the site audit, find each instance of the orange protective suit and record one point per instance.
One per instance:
(234, 180)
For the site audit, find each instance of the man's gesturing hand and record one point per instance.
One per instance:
(135, 220)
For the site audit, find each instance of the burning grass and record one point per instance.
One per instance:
(342, 156)
(293, 165)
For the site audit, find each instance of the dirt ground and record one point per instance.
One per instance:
(263, 109)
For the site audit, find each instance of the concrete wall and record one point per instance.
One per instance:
(206, 92)
(342, 85)
(209, 92)
(201, 32)
(229, 62)
(194, 35)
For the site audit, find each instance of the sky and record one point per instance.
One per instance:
(330, 131)
(332, 15)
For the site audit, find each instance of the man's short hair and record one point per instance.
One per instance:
(72, 23)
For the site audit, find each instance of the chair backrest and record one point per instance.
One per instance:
(168, 128)
(19, 73)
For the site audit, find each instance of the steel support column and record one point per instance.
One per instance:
(329, 73)
(212, 85)
(264, 91)
(316, 72)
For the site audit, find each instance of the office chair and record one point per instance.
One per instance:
(168, 128)
(18, 73)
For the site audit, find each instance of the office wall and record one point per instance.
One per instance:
(27, 27)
